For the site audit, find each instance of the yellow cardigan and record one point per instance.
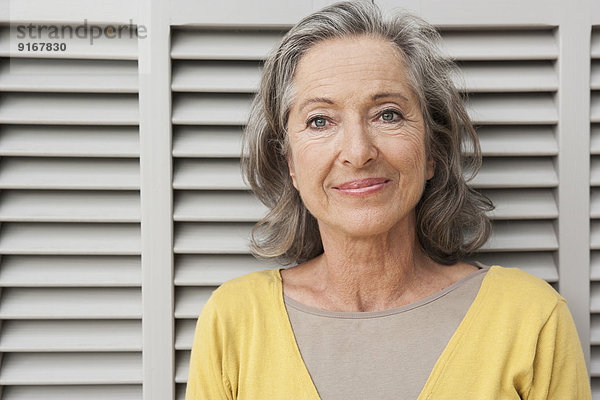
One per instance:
(517, 341)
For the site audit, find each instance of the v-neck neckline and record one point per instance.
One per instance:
(438, 368)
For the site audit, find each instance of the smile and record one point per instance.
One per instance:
(362, 187)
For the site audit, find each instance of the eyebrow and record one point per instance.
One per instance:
(390, 94)
(373, 98)
(315, 100)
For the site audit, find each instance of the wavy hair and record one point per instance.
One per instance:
(451, 216)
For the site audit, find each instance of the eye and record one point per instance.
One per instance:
(390, 115)
(387, 116)
(317, 122)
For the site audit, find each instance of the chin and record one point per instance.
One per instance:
(364, 225)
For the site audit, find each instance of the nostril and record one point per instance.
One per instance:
(357, 149)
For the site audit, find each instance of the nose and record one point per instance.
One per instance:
(357, 148)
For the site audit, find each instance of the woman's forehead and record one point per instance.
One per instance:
(363, 65)
(352, 53)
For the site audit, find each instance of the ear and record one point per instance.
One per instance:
(430, 170)
(292, 170)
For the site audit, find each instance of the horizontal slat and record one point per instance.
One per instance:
(123, 48)
(517, 140)
(206, 238)
(213, 270)
(595, 235)
(595, 171)
(595, 75)
(180, 389)
(595, 362)
(595, 266)
(223, 44)
(217, 206)
(69, 141)
(523, 204)
(207, 141)
(509, 172)
(182, 366)
(594, 381)
(595, 139)
(71, 368)
(70, 336)
(595, 389)
(190, 300)
(70, 303)
(595, 107)
(69, 238)
(508, 77)
(184, 333)
(73, 392)
(70, 206)
(540, 263)
(207, 174)
(595, 297)
(69, 108)
(216, 76)
(531, 108)
(500, 44)
(594, 330)
(595, 43)
(62, 75)
(69, 173)
(595, 203)
(74, 271)
(522, 236)
(210, 109)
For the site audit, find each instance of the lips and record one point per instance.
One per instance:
(361, 183)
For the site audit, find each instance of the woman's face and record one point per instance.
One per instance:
(357, 138)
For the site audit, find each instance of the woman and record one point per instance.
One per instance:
(355, 144)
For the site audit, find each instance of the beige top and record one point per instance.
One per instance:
(386, 354)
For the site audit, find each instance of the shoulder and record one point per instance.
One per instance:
(518, 282)
(237, 296)
(249, 283)
(517, 292)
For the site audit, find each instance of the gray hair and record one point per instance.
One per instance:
(451, 216)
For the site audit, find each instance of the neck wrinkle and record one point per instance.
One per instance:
(371, 273)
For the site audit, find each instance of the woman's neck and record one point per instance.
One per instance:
(372, 273)
(369, 272)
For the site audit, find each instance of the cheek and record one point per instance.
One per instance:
(407, 153)
(311, 166)
(309, 174)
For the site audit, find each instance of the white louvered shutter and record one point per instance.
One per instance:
(215, 74)
(510, 77)
(511, 80)
(70, 305)
(595, 212)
